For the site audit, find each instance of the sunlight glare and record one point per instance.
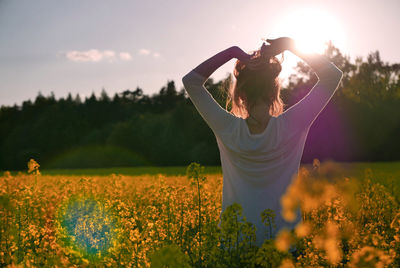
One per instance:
(311, 29)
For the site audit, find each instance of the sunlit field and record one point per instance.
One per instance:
(350, 216)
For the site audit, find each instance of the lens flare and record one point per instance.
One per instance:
(87, 227)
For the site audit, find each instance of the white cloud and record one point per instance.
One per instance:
(148, 52)
(95, 55)
(109, 54)
(125, 56)
(92, 55)
(144, 51)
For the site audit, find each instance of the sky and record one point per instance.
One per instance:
(84, 46)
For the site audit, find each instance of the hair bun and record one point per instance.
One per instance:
(258, 65)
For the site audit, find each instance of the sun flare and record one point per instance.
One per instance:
(311, 29)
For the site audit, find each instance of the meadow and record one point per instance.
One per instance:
(169, 217)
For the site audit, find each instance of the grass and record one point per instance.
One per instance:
(384, 173)
(128, 171)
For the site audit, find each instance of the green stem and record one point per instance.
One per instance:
(200, 241)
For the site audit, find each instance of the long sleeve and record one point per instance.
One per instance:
(302, 114)
(217, 118)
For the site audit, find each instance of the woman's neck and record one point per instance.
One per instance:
(258, 114)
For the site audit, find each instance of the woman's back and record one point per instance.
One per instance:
(258, 168)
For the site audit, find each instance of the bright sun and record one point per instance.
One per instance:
(311, 28)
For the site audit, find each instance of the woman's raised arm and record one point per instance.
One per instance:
(215, 116)
(301, 115)
(209, 66)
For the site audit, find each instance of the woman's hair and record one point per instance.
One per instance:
(255, 80)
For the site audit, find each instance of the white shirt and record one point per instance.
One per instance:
(258, 168)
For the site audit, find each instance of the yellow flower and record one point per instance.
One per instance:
(287, 263)
(283, 240)
(302, 229)
(33, 167)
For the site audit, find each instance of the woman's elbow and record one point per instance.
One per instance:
(186, 79)
(339, 74)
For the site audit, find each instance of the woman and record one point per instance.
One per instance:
(260, 145)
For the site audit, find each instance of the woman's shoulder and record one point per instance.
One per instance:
(232, 127)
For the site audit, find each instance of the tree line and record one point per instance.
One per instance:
(361, 122)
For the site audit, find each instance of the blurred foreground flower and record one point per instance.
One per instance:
(33, 167)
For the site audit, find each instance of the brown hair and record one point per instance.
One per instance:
(255, 80)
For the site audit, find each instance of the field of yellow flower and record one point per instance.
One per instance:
(173, 221)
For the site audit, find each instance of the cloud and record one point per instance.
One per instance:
(144, 51)
(109, 54)
(125, 56)
(148, 52)
(95, 55)
(92, 55)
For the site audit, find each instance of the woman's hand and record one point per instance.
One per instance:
(278, 46)
(239, 54)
